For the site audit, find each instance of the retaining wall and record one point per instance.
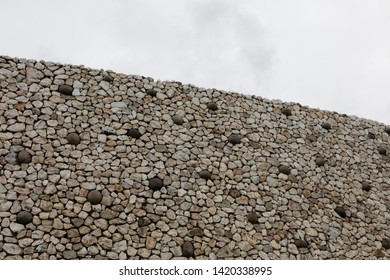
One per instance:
(103, 165)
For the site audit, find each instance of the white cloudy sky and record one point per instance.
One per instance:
(330, 54)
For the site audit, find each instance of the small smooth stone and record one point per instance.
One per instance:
(24, 218)
(134, 133)
(301, 243)
(341, 212)
(108, 78)
(155, 184)
(234, 139)
(212, 106)
(326, 125)
(253, 218)
(177, 120)
(286, 111)
(65, 89)
(94, 197)
(151, 92)
(234, 193)
(386, 243)
(24, 157)
(284, 169)
(188, 249)
(366, 186)
(382, 151)
(205, 174)
(320, 161)
(73, 138)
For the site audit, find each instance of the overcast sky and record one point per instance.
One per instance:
(330, 54)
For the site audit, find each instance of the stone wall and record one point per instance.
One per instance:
(102, 165)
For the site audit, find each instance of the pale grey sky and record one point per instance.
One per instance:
(330, 54)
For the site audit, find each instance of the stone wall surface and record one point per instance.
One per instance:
(101, 165)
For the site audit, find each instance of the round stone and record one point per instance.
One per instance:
(286, 111)
(24, 157)
(151, 92)
(284, 169)
(108, 78)
(24, 218)
(177, 120)
(366, 186)
(65, 89)
(386, 243)
(341, 212)
(301, 243)
(253, 218)
(320, 161)
(155, 184)
(212, 106)
(73, 138)
(382, 151)
(187, 249)
(326, 125)
(205, 174)
(134, 133)
(234, 139)
(234, 193)
(94, 197)
(387, 129)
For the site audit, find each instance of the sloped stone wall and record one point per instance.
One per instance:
(102, 165)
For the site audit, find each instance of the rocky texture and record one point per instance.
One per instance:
(135, 186)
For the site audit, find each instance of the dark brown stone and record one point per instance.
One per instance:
(24, 157)
(366, 186)
(188, 249)
(134, 133)
(73, 138)
(371, 135)
(205, 174)
(65, 89)
(382, 151)
(326, 125)
(341, 212)
(386, 243)
(286, 111)
(151, 92)
(320, 161)
(253, 218)
(24, 218)
(196, 232)
(301, 243)
(387, 129)
(234, 193)
(155, 184)
(177, 120)
(284, 169)
(212, 106)
(108, 78)
(94, 197)
(234, 139)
